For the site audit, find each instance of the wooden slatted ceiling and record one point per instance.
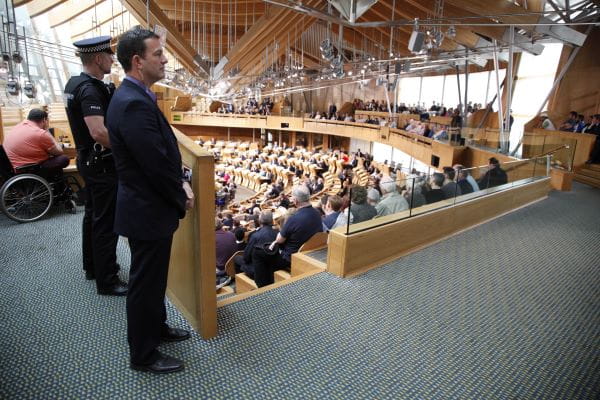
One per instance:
(70, 9)
(37, 7)
(176, 43)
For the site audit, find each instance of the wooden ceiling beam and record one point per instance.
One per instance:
(250, 66)
(176, 43)
(265, 31)
(410, 10)
(84, 29)
(69, 10)
(83, 23)
(208, 18)
(38, 7)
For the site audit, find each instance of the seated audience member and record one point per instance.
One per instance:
(228, 221)
(435, 193)
(332, 211)
(414, 196)
(265, 234)
(469, 178)
(495, 176)
(297, 229)
(318, 186)
(391, 201)
(360, 209)
(373, 196)
(225, 247)
(580, 126)
(546, 123)
(594, 126)
(571, 123)
(450, 188)
(239, 238)
(463, 182)
(441, 134)
(30, 143)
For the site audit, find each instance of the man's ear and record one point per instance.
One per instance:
(135, 61)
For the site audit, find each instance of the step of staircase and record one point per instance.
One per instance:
(587, 180)
(593, 167)
(589, 172)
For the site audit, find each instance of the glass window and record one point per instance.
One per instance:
(536, 77)
(409, 90)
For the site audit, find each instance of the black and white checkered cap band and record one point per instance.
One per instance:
(94, 49)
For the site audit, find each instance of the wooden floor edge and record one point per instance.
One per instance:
(425, 245)
(243, 296)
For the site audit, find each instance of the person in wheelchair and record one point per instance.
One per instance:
(30, 142)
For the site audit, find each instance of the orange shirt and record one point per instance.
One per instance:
(27, 143)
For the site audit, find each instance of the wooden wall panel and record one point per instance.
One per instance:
(579, 89)
(191, 284)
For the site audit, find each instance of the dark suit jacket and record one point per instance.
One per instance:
(150, 196)
(265, 234)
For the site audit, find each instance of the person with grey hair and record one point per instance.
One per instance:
(264, 234)
(298, 228)
(414, 195)
(391, 201)
(373, 197)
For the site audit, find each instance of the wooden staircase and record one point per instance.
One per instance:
(588, 174)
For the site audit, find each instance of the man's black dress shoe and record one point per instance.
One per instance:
(89, 275)
(163, 365)
(118, 289)
(174, 335)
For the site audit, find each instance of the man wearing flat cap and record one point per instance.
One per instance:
(87, 98)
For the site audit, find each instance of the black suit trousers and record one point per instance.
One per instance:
(265, 265)
(146, 312)
(99, 241)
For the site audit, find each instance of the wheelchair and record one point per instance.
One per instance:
(26, 195)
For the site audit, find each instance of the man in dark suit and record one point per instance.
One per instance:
(151, 197)
(264, 234)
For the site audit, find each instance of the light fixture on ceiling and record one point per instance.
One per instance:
(12, 86)
(451, 33)
(29, 90)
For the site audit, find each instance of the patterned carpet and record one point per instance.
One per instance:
(508, 310)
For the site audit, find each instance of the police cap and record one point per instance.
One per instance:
(94, 45)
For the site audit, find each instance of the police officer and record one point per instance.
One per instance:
(87, 99)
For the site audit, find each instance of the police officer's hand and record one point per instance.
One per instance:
(189, 203)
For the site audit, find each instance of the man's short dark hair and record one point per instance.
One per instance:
(86, 58)
(359, 195)
(494, 161)
(438, 179)
(37, 115)
(131, 44)
(449, 171)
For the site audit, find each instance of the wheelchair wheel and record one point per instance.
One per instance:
(25, 198)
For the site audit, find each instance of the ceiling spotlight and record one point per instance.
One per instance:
(29, 90)
(349, 73)
(451, 33)
(17, 57)
(12, 86)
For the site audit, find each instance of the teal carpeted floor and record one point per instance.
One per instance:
(508, 310)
